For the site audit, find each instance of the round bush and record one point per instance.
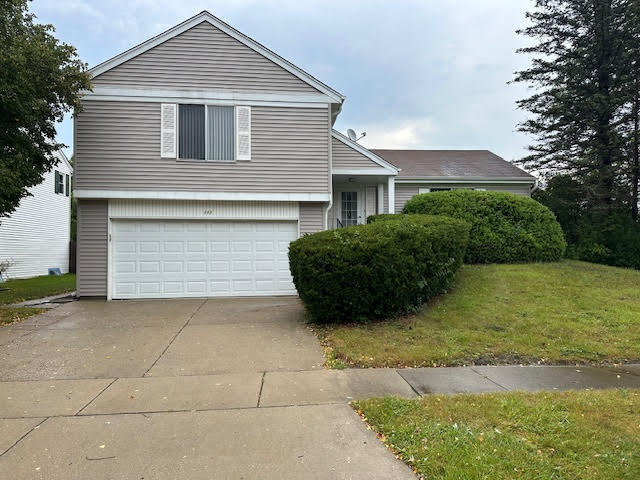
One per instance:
(376, 270)
(506, 228)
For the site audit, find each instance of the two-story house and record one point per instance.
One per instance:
(35, 237)
(200, 155)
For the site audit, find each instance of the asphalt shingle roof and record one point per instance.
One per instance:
(450, 163)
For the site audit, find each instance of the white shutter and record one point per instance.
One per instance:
(168, 130)
(243, 133)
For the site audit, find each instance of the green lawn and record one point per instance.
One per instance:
(23, 289)
(15, 314)
(588, 435)
(562, 312)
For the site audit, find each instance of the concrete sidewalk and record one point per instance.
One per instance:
(79, 397)
(280, 424)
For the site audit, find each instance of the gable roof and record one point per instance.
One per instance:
(425, 164)
(367, 153)
(60, 155)
(205, 16)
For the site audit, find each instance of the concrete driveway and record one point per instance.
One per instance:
(224, 388)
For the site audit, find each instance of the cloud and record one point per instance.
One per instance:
(412, 134)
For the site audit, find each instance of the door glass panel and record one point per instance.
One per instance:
(349, 208)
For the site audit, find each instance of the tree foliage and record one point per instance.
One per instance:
(612, 240)
(584, 74)
(40, 80)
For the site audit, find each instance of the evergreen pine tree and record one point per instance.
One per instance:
(579, 94)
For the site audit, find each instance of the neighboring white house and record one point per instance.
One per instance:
(36, 236)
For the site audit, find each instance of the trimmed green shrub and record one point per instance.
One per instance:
(613, 240)
(376, 270)
(593, 233)
(384, 217)
(506, 228)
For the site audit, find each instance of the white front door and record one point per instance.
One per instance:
(190, 258)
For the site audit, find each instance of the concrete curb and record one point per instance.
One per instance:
(46, 302)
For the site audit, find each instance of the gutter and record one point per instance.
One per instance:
(536, 186)
(466, 180)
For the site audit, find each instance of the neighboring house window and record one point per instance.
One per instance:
(206, 132)
(448, 189)
(59, 182)
(436, 189)
(67, 186)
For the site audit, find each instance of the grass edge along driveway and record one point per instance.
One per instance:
(564, 312)
(23, 289)
(591, 434)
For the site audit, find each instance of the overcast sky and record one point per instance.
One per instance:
(416, 73)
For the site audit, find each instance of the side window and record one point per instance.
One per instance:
(59, 182)
(441, 189)
(67, 185)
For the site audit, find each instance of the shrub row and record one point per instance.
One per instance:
(505, 228)
(377, 270)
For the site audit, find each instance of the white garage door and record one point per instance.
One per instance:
(155, 259)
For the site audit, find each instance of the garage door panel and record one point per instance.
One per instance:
(196, 227)
(190, 258)
(149, 288)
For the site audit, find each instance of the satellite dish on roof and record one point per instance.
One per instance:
(352, 135)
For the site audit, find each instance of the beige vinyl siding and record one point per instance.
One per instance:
(404, 191)
(311, 217)
(346, 157)
(118, 148)
(203, 57)
(385, 199)
(91, 280)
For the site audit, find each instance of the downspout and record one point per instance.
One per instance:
(535, 187)
(328, 208)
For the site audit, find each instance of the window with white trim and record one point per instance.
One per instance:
(206, 132)
(58, 183)
(448, 189)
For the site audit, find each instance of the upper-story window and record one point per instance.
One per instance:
(206, 132)
(60, 181)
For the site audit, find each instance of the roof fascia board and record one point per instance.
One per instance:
(62, 156)
(359, 148)
(229, 30)
(158, 94)
(362, 171)
(185, 195)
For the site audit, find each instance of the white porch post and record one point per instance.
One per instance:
(381, 198)
(391, 185)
